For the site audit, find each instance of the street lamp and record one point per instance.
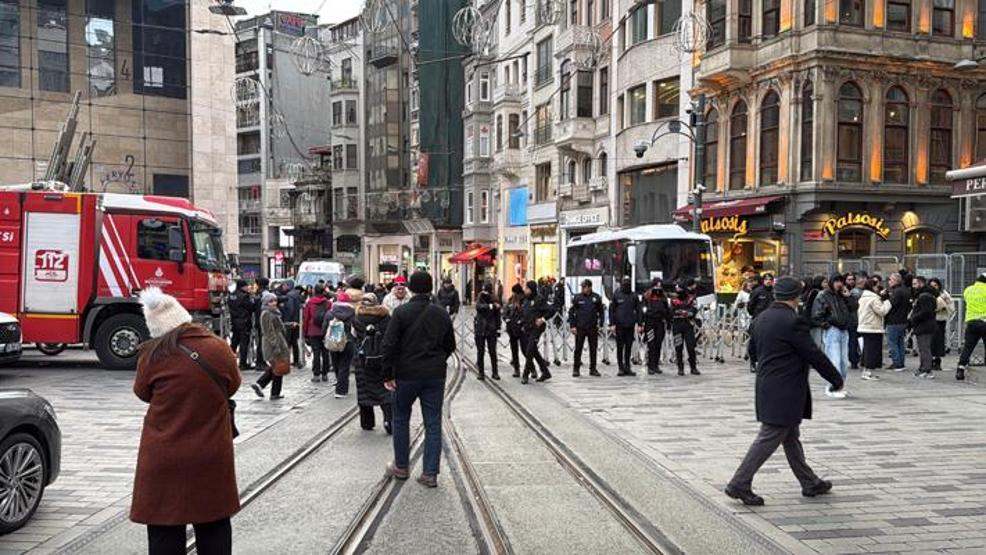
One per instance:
(967, 64)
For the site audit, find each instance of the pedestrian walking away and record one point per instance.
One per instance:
(922, 323)
(873, 308)
(274, 346)
(585, 318)
(416, 348)
(655, 317)
(242, 307)
(316, 308)
(974, 297)
(684, 320)
(338, 325)
(831, 314)
(534, 312)
(896, 320)
(290, 304)
(785, 350)
(487, 328)
(369, 327)
(186, 375)
(624, 313)
(513, 318)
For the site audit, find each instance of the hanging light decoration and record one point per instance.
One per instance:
(308, 54)
(691, 33)
(374, 16)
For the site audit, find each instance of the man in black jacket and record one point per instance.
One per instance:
(783, 398)
(534, 312)
(242, 307)
(762, 296)
(922, 322)
(290, 303)
(896, 319)
(656, 319)
(487, 328)
(585, 318)
(448, 297)
(624, 312)
(416, 348)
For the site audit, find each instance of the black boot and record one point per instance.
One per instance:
(545, 375)
(576, 373)
(594, 373)
(681, 369)
(523, 380)
(695, 371)
(960, 373)
(936, 364)
(516, 371)
(494, 374)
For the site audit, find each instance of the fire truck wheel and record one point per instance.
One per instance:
(117, 340)
(51, 349)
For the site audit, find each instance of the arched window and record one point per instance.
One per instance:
(895, 136)
(710, 171)
(849, 157)
(770, 116)
(940, 146)
(920, 241)
(771, 18)
(807, 131)
(565, 94)
(981, 127)
(570, 171)
(586, 170)
(603, 164)
(737, 146)
(499, 133)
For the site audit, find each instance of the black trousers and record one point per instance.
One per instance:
(515, 348)
(212, 538)
(367, 415)
(684, 337)
(291, 333)
(654, 335)
(532, 354)
(767, 441)
(975, 331)
(259, 359)
(854, 353)
(268, 377)
(321, 362)
(938, 343)
(581, 335)
(872, 358)
(240, 343)
(624, 347)
(483, 344)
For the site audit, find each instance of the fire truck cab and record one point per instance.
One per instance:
(72, 264)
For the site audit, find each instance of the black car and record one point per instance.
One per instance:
(30, 455)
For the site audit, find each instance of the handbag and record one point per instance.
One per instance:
(280, 367)
(207, 368)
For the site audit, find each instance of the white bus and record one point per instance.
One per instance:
(311, 271)
(641, 253)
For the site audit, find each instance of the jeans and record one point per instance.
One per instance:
(836, 343)
(975, 331)
(768, 440)
(431, 393)
(924, 350)
(515, 348)
(895, 342)
(321, 363)
(211, 538)
(581, 335)
(341, 362)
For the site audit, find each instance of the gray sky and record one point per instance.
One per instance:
(329, 11)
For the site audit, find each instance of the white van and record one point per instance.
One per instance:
(311, 271)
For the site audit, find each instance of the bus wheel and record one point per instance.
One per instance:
(51, 349)
(117, 340)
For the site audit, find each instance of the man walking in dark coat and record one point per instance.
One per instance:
(290, 303)
(487, 328)
(585, 317)
(534, 312)
(783, 398)
(624, 312)
(242, 307)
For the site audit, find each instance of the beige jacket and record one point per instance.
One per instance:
(945, 307)
(872, 310)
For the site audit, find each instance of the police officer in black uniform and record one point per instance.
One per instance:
(585, 317)
(656, 319)
(242, 307)
(514, 321)
(684, 321)
(534, 313)
(624, 312)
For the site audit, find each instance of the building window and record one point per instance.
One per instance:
(940, 147)
(807, 131)
(470, 208)
(851, 12)
(895, 136)
(542, 182)
(603, 91)
(513, 131)
(542, 124)
(470, 141)
(853, 244)
(637, 26)
(668, 13)
(352, 157)
(583, 94)
(10, 43)
(569, 176)
(565, 92)
(717, 21)
(737, 147)
(603, 164)
(899, 15)
(770, 115)
(484, 207)
(247, 144)
(981, 22)
(507, 16)
(638, 104)
(590, 12)
(484, 86)
(604, 10)
(544, 57)
(710, 171)
(981, 126)
(346, 71)
(666, 94)
(484, 140)
(586, 170)
(620, 114)
(810, 8)
(943, 18)
(499, 133)
(745, 20)
(849, 149)
(159, 48)
(337, 113)
(101, 47)
(771, 17)
(415, 98)
(351, 112)
(573, 12)
(53, 64)
(469, 91)
(523, 10)
(920, 241)
(337, 157)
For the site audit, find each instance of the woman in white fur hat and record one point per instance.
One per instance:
(185, 467)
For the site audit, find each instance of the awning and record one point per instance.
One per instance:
(471, 255)
(730, 207)
(968, 182)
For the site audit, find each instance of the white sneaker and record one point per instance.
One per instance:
(341, 396)
(868, 375)
(841, 394)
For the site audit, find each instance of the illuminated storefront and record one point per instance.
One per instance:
(544, 250)
(515, 247)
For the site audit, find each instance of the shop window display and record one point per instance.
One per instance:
(854, 243)
(741, 258)
(920, 241)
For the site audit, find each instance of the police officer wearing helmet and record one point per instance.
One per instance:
(242, 306)
(585, 317)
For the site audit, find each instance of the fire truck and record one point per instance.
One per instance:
(72, 264)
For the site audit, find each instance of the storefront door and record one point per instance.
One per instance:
(545, 260)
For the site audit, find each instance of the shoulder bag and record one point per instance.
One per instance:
(214, 376)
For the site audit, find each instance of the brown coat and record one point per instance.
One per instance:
(185, 467)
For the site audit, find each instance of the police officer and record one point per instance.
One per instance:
(242, 307)
(624, 312)
(585, 317)
(513, 318)
(684, 316)
(487, 329)
(534, 312)
(656, 318)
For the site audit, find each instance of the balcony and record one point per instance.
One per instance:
(542, 135)
(573, 37)
(507, 93)
(346, 209)
(728, 65)
(576, 134)
(542, 212)
(251, 206)
(543, 75)
(309, 207)
(600, 183)
(344, 85)
(381, 56)
(581, 194)
(510, 162)
(565, 188)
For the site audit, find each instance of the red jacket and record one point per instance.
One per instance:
(310, 326)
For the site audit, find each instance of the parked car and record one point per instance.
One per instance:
(10, 338)
(30, 455)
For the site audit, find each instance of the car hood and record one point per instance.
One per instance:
(6, 318)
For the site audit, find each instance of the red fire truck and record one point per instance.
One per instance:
(71, 265)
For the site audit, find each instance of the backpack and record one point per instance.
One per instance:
(335, 336)
(370, 350)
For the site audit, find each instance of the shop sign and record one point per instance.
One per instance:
(544, 232)
(969, 187)
(591, 217)
(515, 239)
(291, 24)
(861, 219)
(813, 235)
(726, 224)
(446, 243)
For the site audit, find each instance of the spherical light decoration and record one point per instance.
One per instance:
(471, 28)
(587, 48)
(374, 16)
(691, 33)
(548, 12)
(245, 91)
(278, 126)
(308, 54)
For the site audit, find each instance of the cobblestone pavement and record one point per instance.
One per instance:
(100, 419)
(907, 456)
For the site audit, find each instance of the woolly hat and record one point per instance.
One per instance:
(266, 297)
(420, 282)
(787, 288)
(162, 312)
(400, 280)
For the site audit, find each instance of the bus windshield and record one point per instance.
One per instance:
(312, 278)
(208, 244)
(674, 260)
